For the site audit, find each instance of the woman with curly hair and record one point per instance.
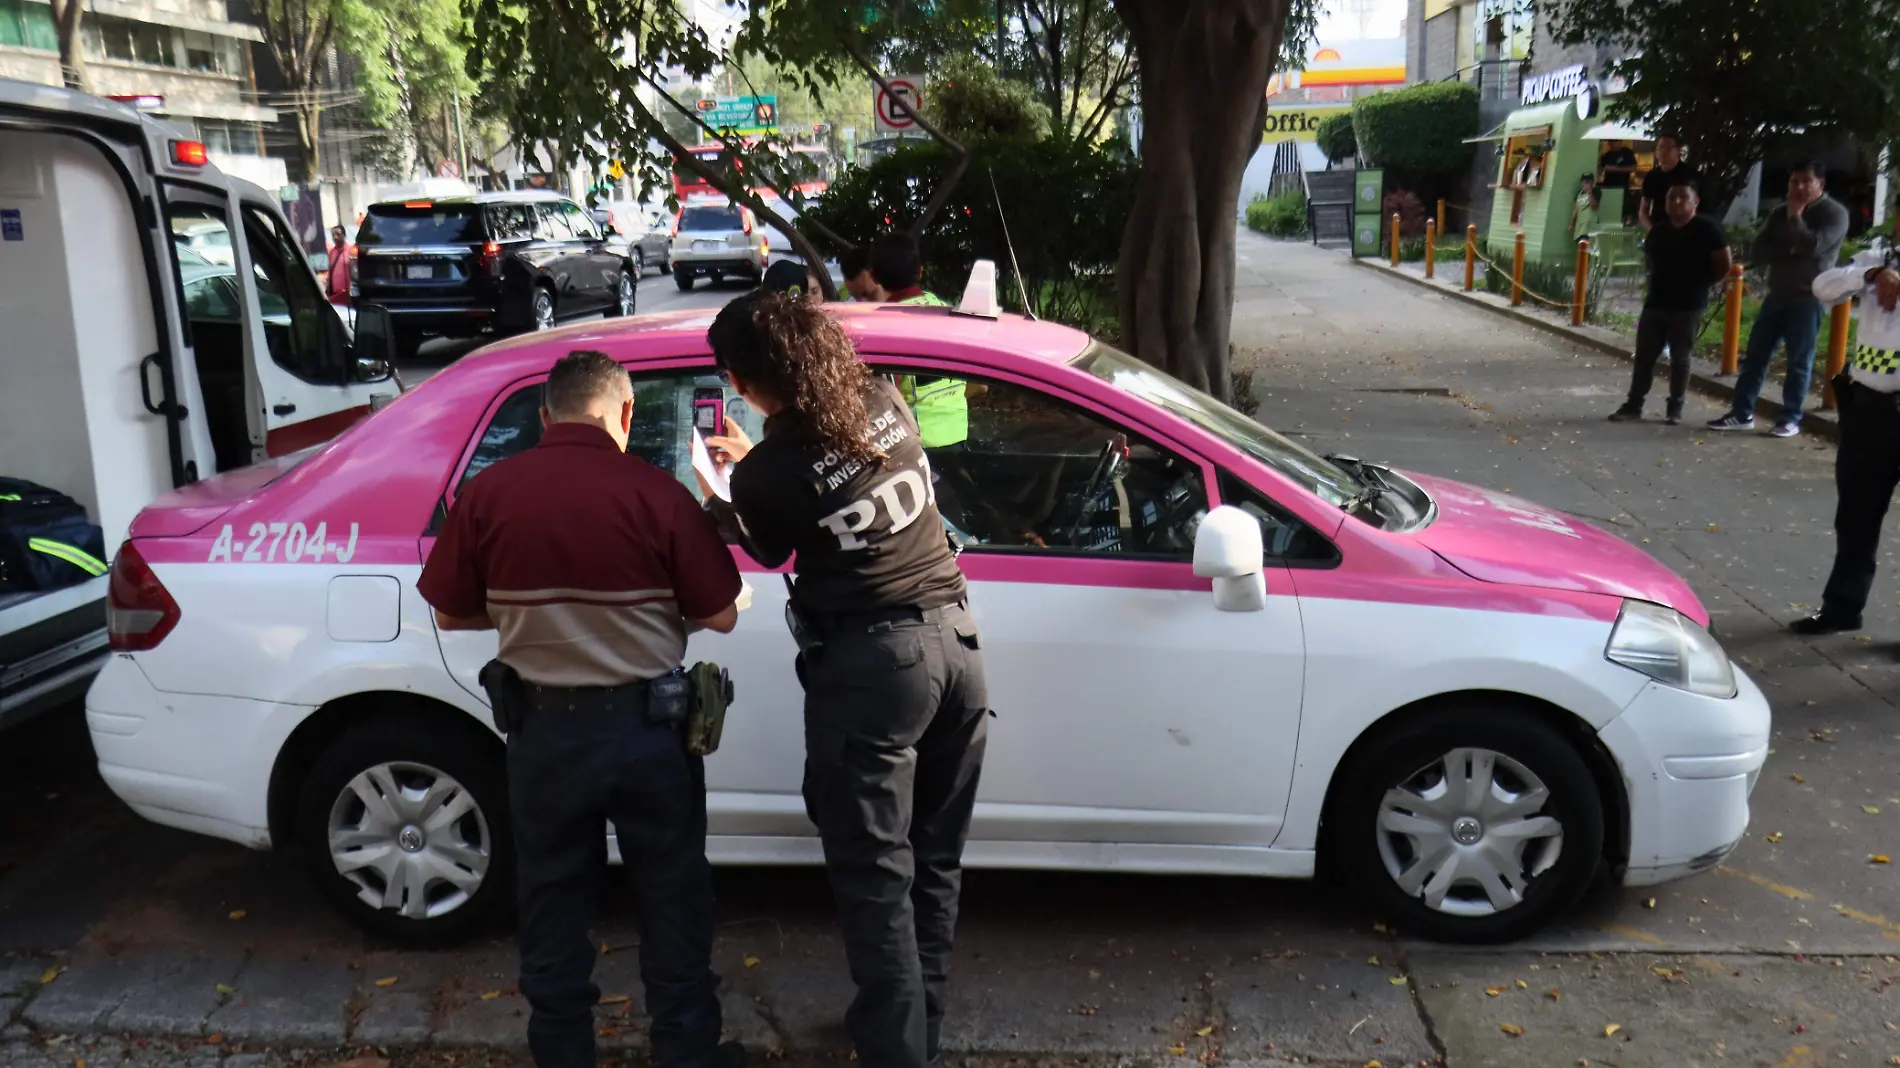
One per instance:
(895, 704)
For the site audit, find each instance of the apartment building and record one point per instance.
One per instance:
(188, 55)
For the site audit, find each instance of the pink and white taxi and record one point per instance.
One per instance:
(1210, 650)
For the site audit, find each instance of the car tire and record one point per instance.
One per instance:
(716, 277)
(639, 264)
(541, 309)
(683, 279)
(1510, 874)
(411, 762)
(666, 267)
(626, 294)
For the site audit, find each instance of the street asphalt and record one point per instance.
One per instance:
(115, 933)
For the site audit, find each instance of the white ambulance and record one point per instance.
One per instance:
(158, 324)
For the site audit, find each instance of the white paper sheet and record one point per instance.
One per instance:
(714, 475)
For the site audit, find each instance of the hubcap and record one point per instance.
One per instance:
(411, 838)
(543, 311)
(1466, 834)
(626, 295)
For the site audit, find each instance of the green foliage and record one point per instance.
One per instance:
(1336, 138)
(1278, 216)
(1077, 55)
(969, 100)
(1062, 199)
(1420, 130)
(1729, 77)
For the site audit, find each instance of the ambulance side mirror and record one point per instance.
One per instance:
(373, 349)
(1228, 549)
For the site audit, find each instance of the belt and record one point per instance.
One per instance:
(841, 621)
(1865, 394)
(630, 696)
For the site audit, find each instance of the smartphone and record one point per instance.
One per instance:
(709, 410)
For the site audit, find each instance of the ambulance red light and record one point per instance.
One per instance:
(190, 153)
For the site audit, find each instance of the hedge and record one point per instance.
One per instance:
(1418, 130)
(1336, 138)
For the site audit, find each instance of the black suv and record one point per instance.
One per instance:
(490, 263)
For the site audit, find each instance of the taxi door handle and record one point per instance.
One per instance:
(283, 409)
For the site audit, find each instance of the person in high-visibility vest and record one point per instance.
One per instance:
(941, 405)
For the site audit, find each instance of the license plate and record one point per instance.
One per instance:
(421, 270)
(707, 246)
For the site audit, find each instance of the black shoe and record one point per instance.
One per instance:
(1822, 623)
(1626, 414)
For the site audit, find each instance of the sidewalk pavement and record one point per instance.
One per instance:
(1706, 376)
(1785, 956)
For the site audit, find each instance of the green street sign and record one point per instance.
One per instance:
(744, 116)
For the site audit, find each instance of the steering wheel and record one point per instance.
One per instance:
(1113, 456)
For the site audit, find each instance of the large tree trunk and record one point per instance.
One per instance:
(67, 16)
(1204, 70)
(309, 124)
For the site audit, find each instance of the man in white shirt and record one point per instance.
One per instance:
(1867, 466)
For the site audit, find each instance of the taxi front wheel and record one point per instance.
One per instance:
(404, 827)
(1478, 823)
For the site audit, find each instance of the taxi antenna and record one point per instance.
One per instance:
(1010, 247)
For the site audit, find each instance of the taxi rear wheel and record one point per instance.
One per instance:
(404, 827)
(1478, 823)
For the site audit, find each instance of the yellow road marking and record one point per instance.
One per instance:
(1794, 892)
(1631, 932)
(1797, 1056)
(1889, 929)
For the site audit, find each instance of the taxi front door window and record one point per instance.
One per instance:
(1041, 474)
(302, 332)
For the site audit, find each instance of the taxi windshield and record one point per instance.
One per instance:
(1324, 478)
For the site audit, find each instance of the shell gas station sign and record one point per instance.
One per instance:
(1371, 61)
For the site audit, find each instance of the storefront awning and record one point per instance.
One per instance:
(1496, 134)
(1618, 131)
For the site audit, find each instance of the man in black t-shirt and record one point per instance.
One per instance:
(1618, 166)
(1670, 171)
(1687, 254)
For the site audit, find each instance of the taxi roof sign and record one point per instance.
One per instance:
(979, 293)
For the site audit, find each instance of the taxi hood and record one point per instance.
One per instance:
(1495, 537)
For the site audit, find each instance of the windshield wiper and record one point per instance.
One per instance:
(1375, 486)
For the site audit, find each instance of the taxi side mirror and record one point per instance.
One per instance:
(1228, 549)
(373, 349)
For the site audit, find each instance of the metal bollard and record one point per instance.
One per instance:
(1732, 328)
(1517, 272)
(1582, 290)
(1395, 239)
(1471, 254)
(1837, 323)
(1431, 246)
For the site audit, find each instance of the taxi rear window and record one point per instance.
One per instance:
(435, 224)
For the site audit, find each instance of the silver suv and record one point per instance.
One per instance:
(716, 238)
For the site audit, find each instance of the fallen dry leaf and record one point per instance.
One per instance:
(1373, 960)
(491, 995)
(226, 988)
(49, 975)
(1379, 927)
(1178, 1050)
(215, 1040)
(79, 1062)
(1649, 903)
(1397, 980)
(1522, 985)
(1611, 1029)
(1662, 971)
(1878, 858)
(752, 962)
(1775, 837)
(1512, 1029)
(1711, 528)
(615, 999)
(1871, 810)
(1798, 777)
(1494, 991)
(1374, 1064)
(387, 981)
(361, 1062)
(238, 914)
(1554, 994)
(1204, 1032)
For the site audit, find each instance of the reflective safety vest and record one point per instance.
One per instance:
(940, 404)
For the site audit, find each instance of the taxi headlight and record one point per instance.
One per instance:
(1670, 648)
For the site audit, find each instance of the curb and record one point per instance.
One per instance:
(1704, 376)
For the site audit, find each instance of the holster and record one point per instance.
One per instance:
(1843, 384)
(507, 696)
(712, 693)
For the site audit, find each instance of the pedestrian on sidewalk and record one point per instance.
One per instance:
(1586, 216)
(1618, 165)
(1670, 171)
(1687, 253)
(1867, 465)
(1797, 242)
(336, 288)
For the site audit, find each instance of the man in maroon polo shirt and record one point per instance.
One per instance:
(593, 565)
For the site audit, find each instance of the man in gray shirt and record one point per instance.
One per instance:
(1797, 242)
